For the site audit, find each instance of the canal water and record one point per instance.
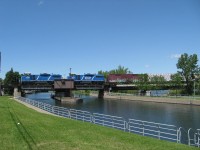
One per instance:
(186, 116)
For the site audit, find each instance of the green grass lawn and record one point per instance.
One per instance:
(24, 128)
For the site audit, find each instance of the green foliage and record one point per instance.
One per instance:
(1, 81)
(197, 85)
(176, 81)
(11, 80)
(133, 92)
(119, 70)
(176, 92)
(188, 68)
(37, 131)
(157, 79)
(143, 82)
(105, 73)
(87, 92)
(157, 82)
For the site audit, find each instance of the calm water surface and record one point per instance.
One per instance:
(186, 116)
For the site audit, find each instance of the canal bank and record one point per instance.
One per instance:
(169, 100)
(23, 128)
(186, 116)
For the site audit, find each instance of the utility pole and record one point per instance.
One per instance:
(70, 72)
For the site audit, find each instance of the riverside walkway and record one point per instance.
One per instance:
(171, 100)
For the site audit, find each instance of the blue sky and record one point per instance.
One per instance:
(146, 36)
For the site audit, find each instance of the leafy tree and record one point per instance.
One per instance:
(157, 82)
(188, 68)
(105, 73)
(143, 82)
(1, 81)
(197, 84)
(157, 79)
(11, 80)
(119, 70)
(176, 81)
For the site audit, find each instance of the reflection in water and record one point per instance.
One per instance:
(186, 116)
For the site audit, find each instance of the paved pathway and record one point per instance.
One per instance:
(33, 107)
(188, 101)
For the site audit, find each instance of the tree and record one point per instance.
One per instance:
(143, 82)
(11, 81)
(119, 70)
(157, 82)
(188, 68)
(105, 73)
(1, 81)
(176, 81)
(197, 84)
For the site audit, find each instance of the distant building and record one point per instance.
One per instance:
(167, 76)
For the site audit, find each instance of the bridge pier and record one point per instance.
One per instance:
(65, 96)
(63, 91)
(101, 93)
(16, 93)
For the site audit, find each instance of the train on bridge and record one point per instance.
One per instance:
(45, 81)
(28, 77)
(41, 82)
(87, 79)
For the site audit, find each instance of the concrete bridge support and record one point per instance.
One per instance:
(101, 93)
(16, 93)
(63, 93)
(65, 96)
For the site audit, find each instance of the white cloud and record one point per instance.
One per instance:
(41, 2)
(175, 56)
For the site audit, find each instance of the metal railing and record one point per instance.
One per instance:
(145, 128)
(109, 121)
(158, 130)
(194, 137)
(80, 115)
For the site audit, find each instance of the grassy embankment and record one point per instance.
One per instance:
(24, 128)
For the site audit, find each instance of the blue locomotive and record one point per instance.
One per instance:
(87, 79)
(28, 77)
